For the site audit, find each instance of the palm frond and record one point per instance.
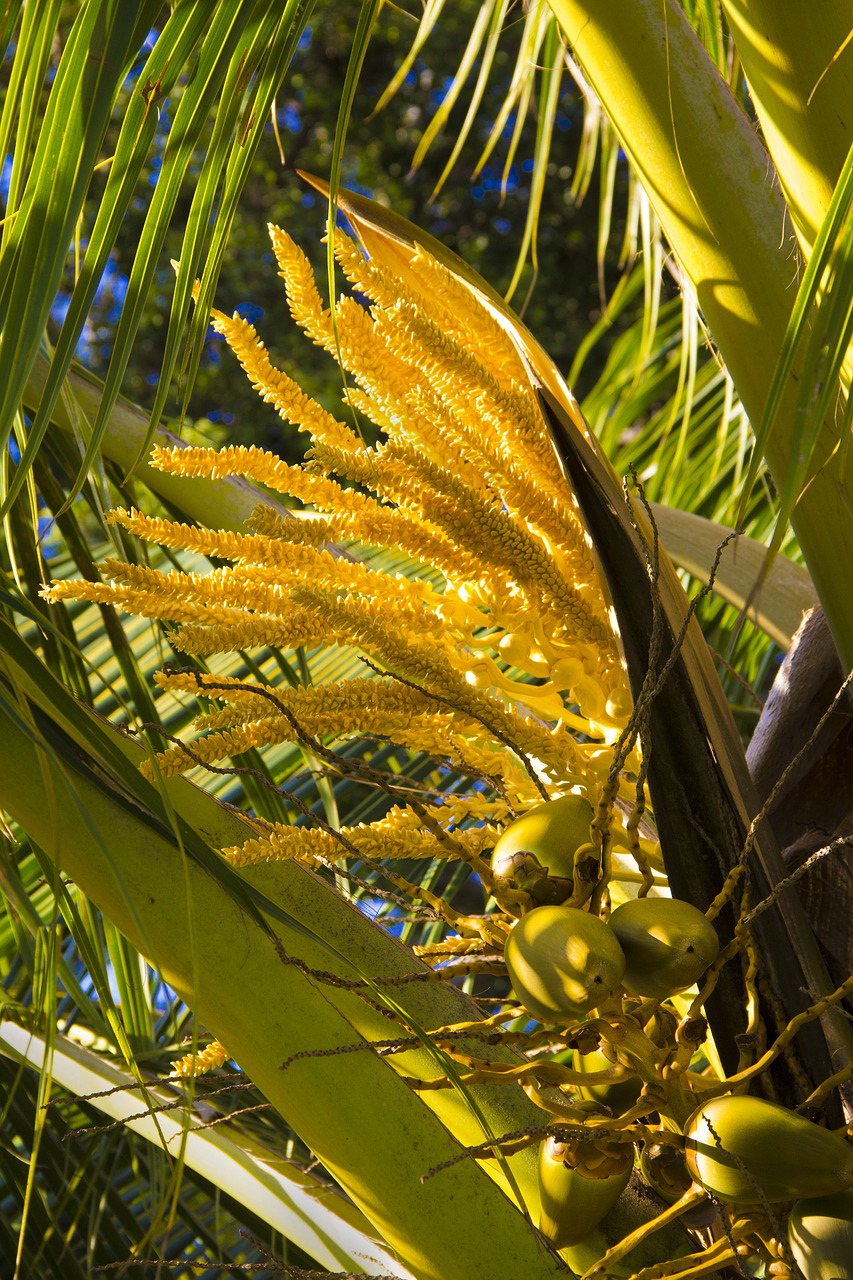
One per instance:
(239, 59)
(265, 1181)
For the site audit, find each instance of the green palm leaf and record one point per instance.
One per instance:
(102, 43)
(273, 1189)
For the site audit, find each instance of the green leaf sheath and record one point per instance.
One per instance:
(800, 75)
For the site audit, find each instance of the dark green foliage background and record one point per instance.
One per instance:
(472, 219)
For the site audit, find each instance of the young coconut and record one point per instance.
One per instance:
(668, 944)
(572, 1205)
(665, 1169)
(741, 1148)
(618, 1095)
(562, 962)
(820, 1233)
(536, 852)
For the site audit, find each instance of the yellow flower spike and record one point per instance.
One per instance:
(452, 439)
(388, 472)
(254, 632)
(204, 1060)
(496, 351)
(363, 352)
(156, 603)
(489, 491)
(366, 275)
(438, 738)
(453, 367)
(275, 387)
(380, 840)
(378, 526)
(305, 304)
(351, 338)
(221, 543)
(502, 542)
(393, 389)
(445, 297)
(405, 715)
(355, 515)
(507, 416)
(256, 464)
(414, 422)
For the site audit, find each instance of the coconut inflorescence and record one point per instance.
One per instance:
(497, 570)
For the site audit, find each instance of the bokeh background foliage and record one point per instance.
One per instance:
(138, 136)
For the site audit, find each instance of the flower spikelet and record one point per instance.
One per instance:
(256, 464)
(221, 543)
(305, 304)
(377, 841)
(416, 339)
(207, 1059)
(443, 294)
(506, 544)
(250, 632)
(275, 386)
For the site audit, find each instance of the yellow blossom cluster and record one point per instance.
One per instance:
(491, 653)
(197, 1064)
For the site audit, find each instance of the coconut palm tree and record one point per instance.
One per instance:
(392, 652)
